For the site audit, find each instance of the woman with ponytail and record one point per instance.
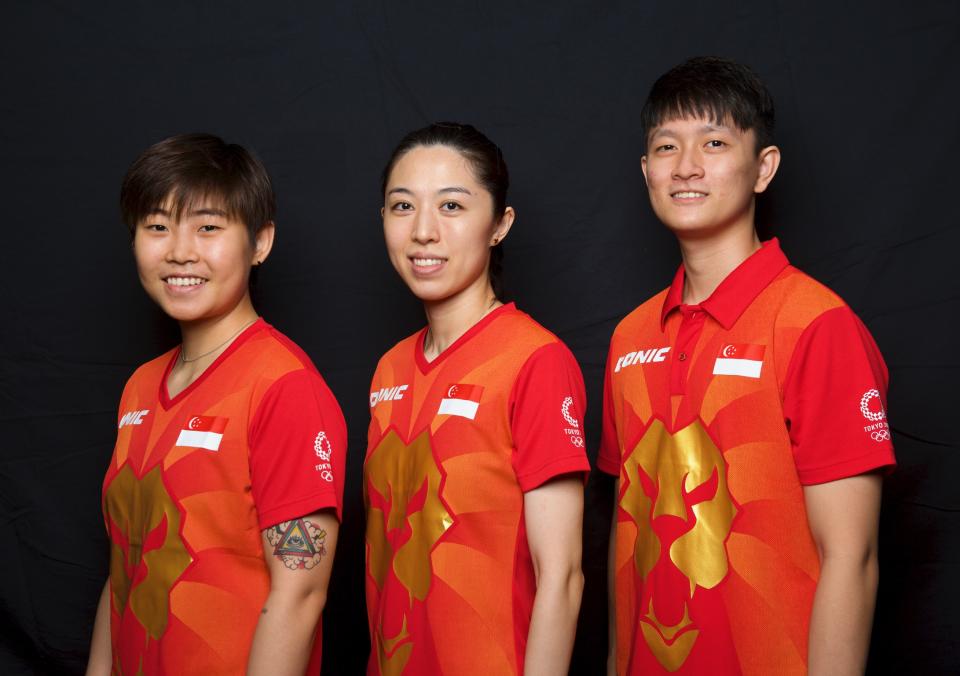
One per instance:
(474, 472)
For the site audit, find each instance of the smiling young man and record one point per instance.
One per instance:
(223, 495)
(743, 417)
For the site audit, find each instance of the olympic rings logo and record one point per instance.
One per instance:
(880, 435)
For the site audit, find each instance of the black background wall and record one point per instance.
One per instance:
(865, 201)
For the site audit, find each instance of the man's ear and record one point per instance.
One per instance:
(769, 163)
(643, 167)
(263, 242)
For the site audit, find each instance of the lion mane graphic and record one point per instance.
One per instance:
(147, 554)
(676, 493)
(405, 520)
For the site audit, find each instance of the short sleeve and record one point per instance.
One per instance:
(835, 394)
(608, 460)
(297, 449)
(546, 418)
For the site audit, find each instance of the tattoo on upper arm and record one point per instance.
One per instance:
(299, 543)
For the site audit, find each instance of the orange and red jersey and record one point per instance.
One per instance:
(256, 440)
(453, 445)
(715, 417)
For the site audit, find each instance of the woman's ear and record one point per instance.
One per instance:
(503, 227)
(263, 242)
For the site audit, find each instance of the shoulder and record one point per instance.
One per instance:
(812, 322)
(280, 368)
(645, 315)
(801, 299)
(520, 344)
(273, 353)
(150, 372)
(521, 331)
(401, 353)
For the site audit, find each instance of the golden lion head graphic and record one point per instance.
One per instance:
(676, 492)
(405, 519)
(147, 555)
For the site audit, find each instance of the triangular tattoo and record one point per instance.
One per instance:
(295, 541)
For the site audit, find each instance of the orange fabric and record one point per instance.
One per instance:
(185, 506)
(715, 567)
(453, 445)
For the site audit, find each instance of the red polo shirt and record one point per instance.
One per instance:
(715, 417)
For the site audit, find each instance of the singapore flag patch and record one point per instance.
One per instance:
(203, 431)
(461, 400)
(739, 360)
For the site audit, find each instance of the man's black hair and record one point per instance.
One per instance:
(713, 88)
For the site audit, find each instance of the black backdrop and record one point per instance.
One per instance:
(867, 101)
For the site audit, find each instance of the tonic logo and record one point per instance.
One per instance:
(387, 394)
(641, 357)
(132, 418)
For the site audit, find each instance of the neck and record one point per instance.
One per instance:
(201, 336)
(450, 318)
(708, 260)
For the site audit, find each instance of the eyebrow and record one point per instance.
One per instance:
(453, 188)
(157, 211)
(707, 128)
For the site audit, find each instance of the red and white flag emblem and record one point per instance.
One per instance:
(739, 360)
(203, 431)
(461, 400)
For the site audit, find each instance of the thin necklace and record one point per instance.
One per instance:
(185, 360)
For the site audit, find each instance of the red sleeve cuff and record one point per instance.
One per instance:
(568, 465)
(299, 508)
(848, 468)
(608, 466)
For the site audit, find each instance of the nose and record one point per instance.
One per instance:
(425, 227)
(689, 164)
(182, 246)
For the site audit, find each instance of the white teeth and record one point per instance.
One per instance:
(425, 262)
(687, 195)
(184, 281)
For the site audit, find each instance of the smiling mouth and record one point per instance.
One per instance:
(426, 266)
(688, 195)
(184, 281)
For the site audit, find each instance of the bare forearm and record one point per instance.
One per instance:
(842, 616)
(553, 624)
(285, 633)
(101, 652)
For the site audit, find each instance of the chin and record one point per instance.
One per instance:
(429, 295)
(429, 291)
(692, 228)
